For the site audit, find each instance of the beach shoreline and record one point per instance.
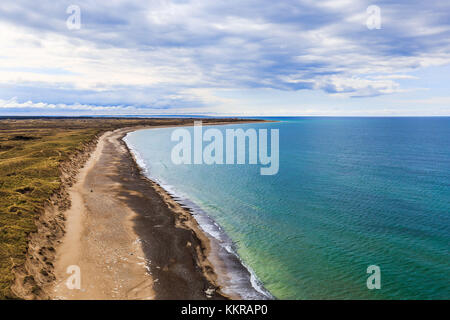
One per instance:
(156, 250)
(230, 274)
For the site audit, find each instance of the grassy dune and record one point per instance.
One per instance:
(29, 174)
(31, 153)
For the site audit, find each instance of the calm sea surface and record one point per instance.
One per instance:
(350, 192)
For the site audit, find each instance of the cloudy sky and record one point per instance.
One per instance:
(225, 57)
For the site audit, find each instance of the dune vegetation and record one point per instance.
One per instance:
(29, 175)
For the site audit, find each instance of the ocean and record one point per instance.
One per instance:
(350, 193)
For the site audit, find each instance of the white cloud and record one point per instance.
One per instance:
(179, 54)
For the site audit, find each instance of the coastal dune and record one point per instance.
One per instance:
(128, 238)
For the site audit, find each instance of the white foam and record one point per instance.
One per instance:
(137, 156)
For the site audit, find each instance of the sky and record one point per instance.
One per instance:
(244, 58)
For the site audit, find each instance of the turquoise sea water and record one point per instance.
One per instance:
(350, 192)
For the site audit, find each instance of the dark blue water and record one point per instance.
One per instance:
(350, 192)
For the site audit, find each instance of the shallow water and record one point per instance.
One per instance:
(350, 192)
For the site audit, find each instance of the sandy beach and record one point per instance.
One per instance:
(111, 263)
(128, 237)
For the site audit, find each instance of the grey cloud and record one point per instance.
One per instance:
(285, 45)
